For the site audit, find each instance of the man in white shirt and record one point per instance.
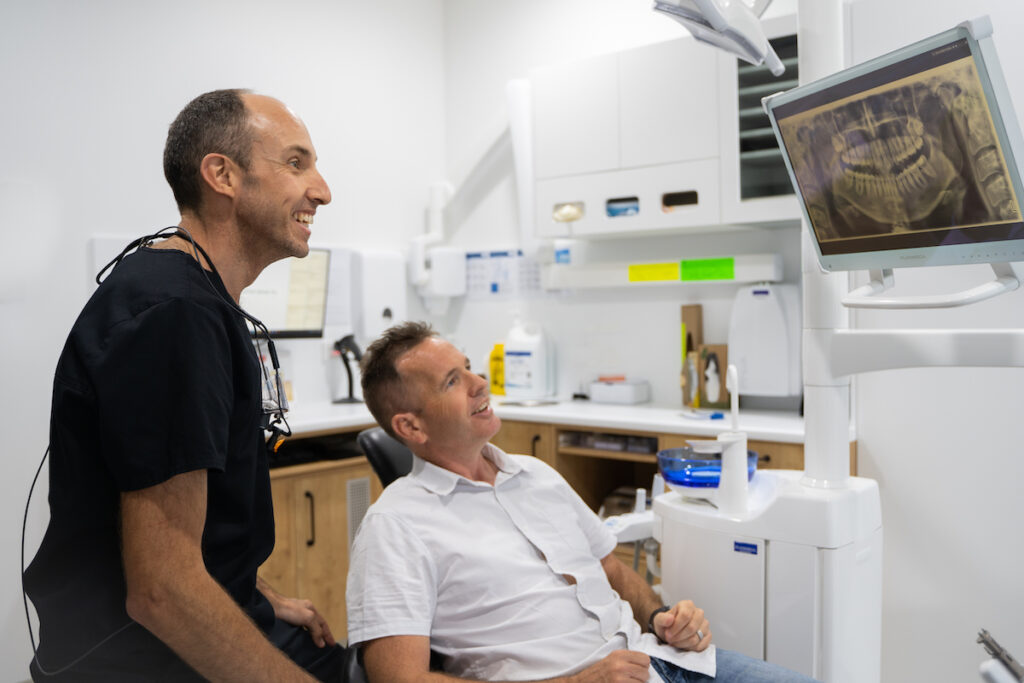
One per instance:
(492, 561)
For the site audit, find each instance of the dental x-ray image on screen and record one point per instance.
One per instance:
(904, 154)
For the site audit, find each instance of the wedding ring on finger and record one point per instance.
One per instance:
(700, 635)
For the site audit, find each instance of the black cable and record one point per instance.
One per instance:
(257, 324)
(24, 593)
(24, 526)
(278, 420)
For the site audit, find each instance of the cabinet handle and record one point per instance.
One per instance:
(533, 445)
(312, 519)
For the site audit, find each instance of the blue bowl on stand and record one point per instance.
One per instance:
(696, 474)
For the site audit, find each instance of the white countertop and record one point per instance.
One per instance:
(759, 425)
(306, 418)
(783, 427)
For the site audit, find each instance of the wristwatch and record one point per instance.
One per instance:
(650, 619)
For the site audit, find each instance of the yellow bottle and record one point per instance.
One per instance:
(496, 370)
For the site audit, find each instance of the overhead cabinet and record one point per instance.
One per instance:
(755, 184)
(576, 118)
(642, 141)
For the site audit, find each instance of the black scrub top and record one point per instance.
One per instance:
(158, 377)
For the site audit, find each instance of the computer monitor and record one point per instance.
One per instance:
(290, 296)
(909, 159)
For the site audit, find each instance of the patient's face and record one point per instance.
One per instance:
(455, 402)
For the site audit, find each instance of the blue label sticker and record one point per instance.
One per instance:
(749, 548)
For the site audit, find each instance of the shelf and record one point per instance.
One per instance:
(746, 268)
(759, 133)
(626, 456)
(752, 112)
(761, 155)
(763, 89)
(748, 69)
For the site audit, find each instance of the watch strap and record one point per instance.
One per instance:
(650, 619)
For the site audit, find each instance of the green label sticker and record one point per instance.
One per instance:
(707, 269)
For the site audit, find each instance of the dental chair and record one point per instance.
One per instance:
(388, 457)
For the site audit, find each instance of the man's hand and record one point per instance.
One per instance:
(684, 627)
(298, 612)
(620, 666)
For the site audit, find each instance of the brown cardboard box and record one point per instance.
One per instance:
(692, 332)
(691, 336)
(713, 361)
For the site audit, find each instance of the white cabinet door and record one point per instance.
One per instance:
(723, 574)
(647, 186)
(668, 98)
(576, 118)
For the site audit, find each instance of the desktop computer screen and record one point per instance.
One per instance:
(290, 296)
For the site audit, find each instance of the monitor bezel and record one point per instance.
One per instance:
(1009, 137)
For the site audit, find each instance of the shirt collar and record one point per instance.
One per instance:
(440, 481)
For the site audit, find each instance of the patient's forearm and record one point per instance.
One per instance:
(632, 588)
(406, 659)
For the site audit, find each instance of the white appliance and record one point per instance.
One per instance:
(793, 580)
(378, 292)
(785, 571)
(764, 339)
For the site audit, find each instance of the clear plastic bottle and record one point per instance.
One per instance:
(529, 361)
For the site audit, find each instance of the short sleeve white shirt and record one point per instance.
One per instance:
(481, 570)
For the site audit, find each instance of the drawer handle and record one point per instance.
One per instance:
(533, 445)
(312, 519)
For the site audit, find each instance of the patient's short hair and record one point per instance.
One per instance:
(383, 389)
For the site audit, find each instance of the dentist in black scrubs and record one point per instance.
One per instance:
(159, 486)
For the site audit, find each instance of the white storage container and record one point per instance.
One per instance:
(624, 392)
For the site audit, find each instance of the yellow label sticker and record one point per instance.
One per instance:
(654, 272)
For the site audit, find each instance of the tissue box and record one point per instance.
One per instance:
(626, 391)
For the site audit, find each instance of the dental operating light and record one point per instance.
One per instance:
(732, 25)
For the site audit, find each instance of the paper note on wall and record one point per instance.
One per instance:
(496, 274)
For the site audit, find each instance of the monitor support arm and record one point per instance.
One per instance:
(1006, 279)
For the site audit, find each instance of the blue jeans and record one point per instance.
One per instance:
(732, 667)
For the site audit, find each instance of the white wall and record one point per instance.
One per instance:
(89, 90)
(944, 444)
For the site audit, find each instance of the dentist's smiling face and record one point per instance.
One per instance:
(455, 408)
(282, 188)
